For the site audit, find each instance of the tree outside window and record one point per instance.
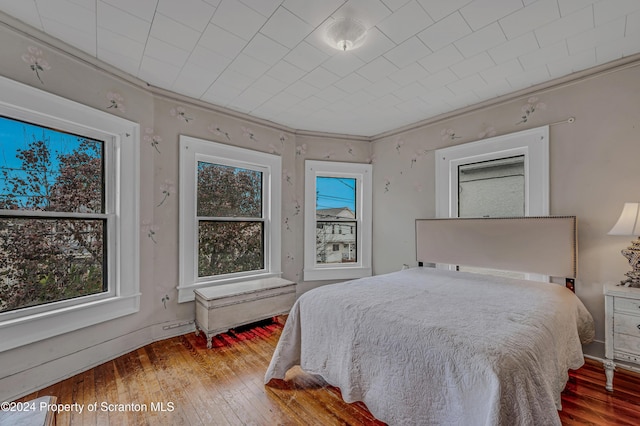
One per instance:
(230, 201)
(230, 219)
(52, 216)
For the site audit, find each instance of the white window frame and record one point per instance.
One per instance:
(121, 159)
(193, 150)
(533, 144)
(362, 174)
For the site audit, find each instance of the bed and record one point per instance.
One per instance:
(431, 346)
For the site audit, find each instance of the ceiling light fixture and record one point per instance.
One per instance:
(346, 34)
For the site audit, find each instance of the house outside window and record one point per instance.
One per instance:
(337, 220)
(69, 195)
(230, 215)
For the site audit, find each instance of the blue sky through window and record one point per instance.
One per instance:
(16, 135)
(334, 192)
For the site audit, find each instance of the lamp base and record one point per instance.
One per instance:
(632, 253)
(630, 283)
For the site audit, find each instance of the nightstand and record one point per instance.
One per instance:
(622, 330)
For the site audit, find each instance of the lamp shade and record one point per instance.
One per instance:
(628, 223)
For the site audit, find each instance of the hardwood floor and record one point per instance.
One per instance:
(179, 381)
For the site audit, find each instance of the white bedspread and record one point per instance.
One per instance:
(424, 346)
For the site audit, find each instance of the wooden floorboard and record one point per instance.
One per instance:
(179, 381)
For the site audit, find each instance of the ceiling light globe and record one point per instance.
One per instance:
(346, 34)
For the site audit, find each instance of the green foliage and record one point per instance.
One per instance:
(44, 260)
(227, 246)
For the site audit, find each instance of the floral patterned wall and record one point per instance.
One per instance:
(594, 137)
(162, 120)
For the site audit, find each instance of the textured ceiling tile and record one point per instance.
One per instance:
(115, 42)
(544, 55)
(165, 52)
(193, 80)
(157, 73)
(530, 18)
(607, 11)
(441, 59)
(438, 9)
(445, 31)
(569, 6)
(221, 41)
(286, 28)
(513, 48)
(376, 44)
(144, 9)
(123, 23)
(301, 89)
(173, 32)
(265, 49)
(565, 27)
(248, 66)
(343, 64)
(192, 13)
(409, 74)
(481, 40)
(529, 77)
(480, 13)
(500, 72)
(205, 58)
(369, 12)
(286, 72)
(395, 4)
(305, 57)
(473, 65)
(405, 22)
(352, 83)
(408, 52)
(596, 37)
(26, 11)
(263, 7)
(83, 40)
(377, 69)
(467, 84)
(238, 19)
(320, 78)
(312, 12)
(575, 63)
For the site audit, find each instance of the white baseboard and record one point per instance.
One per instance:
(48, 373)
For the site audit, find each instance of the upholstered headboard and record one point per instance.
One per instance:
(541, 245)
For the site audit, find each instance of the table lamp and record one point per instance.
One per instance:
(629, 224)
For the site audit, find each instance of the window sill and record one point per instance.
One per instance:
(345, 273)
(24, 330)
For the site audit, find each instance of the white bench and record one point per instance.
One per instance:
(220, 308)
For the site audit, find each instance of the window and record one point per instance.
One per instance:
(230, 215)
(337, 220)
(530, 146)
(68, 224)
(502, 176)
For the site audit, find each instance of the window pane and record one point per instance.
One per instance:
(225, 191)
(493, 188)
(45, 169)
(334, 195)
(336, 242)
(228, 247)
(47, 260)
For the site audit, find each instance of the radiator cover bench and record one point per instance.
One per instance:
(223, 307)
